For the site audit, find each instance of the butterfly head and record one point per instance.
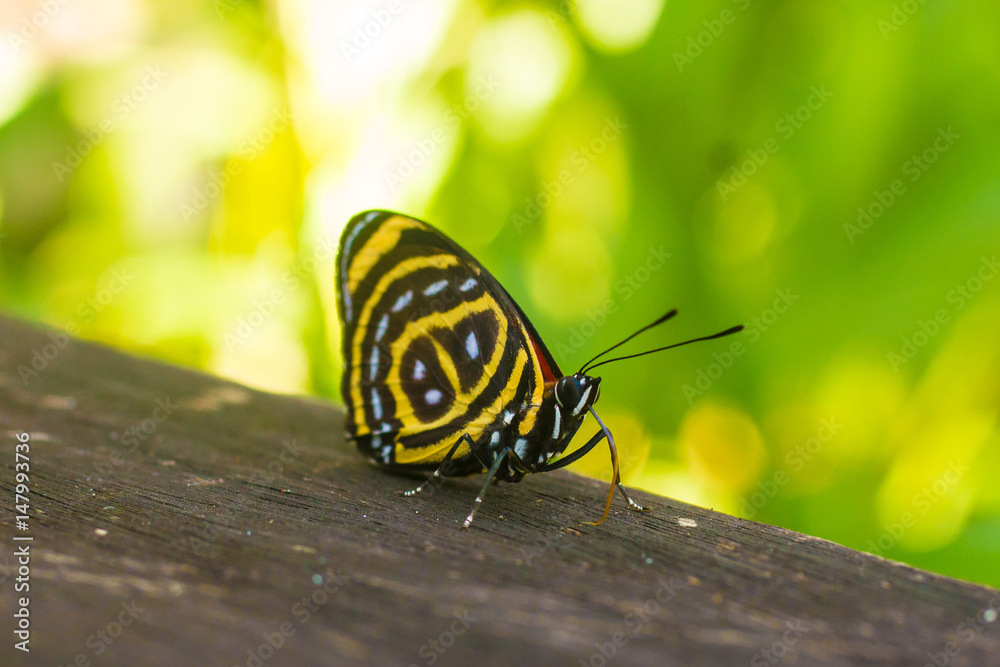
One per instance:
(572, 396)
(575, 393)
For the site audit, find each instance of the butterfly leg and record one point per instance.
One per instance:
(614, 466)
(575, 456)
(583, 451)
(631, 503)
(498, 459)
(441, 468)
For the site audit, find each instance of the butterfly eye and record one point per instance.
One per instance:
(568, 391)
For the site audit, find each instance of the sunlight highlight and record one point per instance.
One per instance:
(617, 25)
(529, 62)
(723, 445)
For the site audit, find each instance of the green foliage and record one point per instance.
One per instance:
(822, 172)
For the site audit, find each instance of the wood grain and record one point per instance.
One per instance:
(208, 516)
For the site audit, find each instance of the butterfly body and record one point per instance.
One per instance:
(441, 366)
(443, 371)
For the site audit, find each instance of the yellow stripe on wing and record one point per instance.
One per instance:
(422, 328)
(534, 400)
(401, 270)
(377, 246)
(437, 451)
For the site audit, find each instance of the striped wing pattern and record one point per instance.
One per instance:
(433, 346)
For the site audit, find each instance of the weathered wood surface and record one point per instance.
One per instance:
(210, 531)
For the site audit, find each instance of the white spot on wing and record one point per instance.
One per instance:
(419, 370)
(433, 397)
(472, 345)
(383, 325)
(495, 438)
(508, 416)
(373, 369)
(402, 301)
(376, 404)
(467, 285)
(348, 242)
(558, 425)
(436, 287)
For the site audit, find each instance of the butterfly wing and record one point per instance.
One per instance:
(433, 346)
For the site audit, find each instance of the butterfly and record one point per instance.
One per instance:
(443, 371)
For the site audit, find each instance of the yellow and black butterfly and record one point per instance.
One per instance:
(443, 370)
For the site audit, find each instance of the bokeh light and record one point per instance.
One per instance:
(615, 25)
(174, 179)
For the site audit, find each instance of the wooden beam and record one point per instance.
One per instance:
(179, 519)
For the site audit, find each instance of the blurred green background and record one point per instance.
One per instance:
(174, 177)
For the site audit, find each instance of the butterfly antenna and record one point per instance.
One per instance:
(727, 332)
(661, 320)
